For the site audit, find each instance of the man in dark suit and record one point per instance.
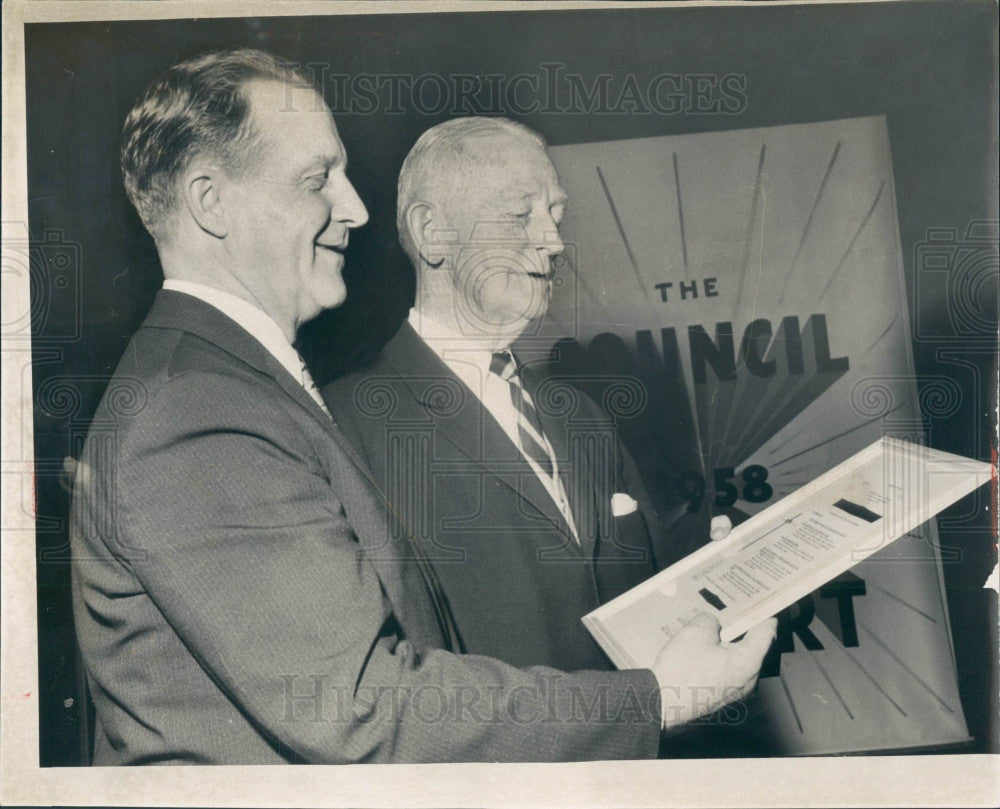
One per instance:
(532, 507)
(242, 594)
(518, 566)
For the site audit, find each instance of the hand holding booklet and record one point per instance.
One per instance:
(788, 550)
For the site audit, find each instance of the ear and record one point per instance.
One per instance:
(200, 189)
(420, 223)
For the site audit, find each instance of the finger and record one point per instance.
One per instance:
(720, 527)
(758, 640)
(705, 623)
(746, 687)
(702, 630)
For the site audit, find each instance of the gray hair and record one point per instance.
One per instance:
(198, 107)
(441, 143)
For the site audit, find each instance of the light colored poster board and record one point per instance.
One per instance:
(760, 271)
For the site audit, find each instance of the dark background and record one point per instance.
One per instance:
(928, 67)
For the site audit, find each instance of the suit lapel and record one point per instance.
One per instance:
(406, 586)
(471, 429)
(177, 310)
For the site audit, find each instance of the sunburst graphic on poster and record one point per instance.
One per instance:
(750, 284)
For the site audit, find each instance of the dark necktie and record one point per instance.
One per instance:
(529, 429)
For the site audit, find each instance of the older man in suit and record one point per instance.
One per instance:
(532, 509)
(243, 595)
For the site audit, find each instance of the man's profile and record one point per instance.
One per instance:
(527, 497)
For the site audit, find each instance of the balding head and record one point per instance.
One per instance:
(479, 209)
(443, 158)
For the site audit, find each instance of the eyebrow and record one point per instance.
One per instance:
(326, 161)
(559, 199)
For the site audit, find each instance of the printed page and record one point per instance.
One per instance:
(786, 551)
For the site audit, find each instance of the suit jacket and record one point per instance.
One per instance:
(515, 579)
(241, 595)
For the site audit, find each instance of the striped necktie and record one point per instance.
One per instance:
(306, 380)
(529, 429)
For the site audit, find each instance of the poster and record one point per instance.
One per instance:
(746, 287)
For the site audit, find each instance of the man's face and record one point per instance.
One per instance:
(505, 212)
(289, 218)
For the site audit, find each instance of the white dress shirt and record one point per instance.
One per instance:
(259, 324)
(471, 364)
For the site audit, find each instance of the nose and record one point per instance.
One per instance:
(550, 244)
(347, 206)
(552, 247)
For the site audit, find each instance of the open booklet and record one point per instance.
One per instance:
(788, 550)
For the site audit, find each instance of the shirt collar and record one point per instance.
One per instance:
(254, 320)
(470, 362)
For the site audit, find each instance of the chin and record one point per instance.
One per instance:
(326, 299)
(531, 310)
(331, 292)
(512, 324)
(335, 299)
